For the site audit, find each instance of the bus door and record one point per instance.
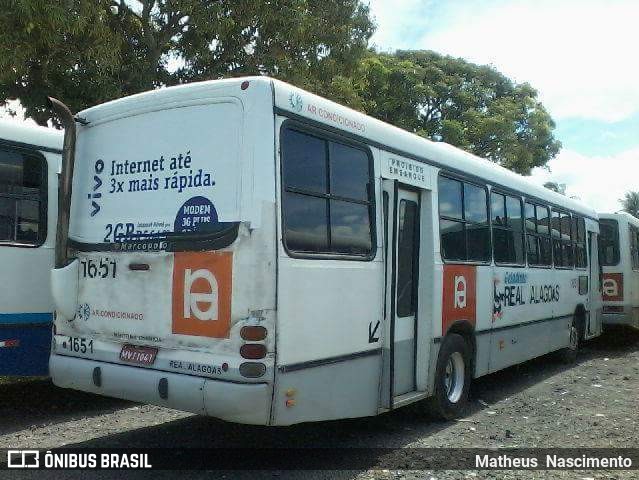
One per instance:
(401, 223)
(593, 318)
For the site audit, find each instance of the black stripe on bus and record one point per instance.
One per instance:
(26, 325)
(509, 327)
(29, 146)
(293, 367)
(462, 174)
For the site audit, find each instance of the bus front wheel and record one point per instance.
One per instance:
(452, 378)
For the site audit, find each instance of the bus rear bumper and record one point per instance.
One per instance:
(235, 402)
(629, 317)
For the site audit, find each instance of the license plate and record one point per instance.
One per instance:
(139, 355)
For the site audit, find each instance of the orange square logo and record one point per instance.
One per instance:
(459, 296)
(202, 294)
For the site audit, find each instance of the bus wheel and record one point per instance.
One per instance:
(452, 378)
(569, 354)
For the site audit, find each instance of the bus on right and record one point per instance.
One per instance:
(619, 255)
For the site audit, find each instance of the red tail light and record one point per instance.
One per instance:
(253, 351)
(253, 333)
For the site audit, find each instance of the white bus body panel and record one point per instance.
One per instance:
(26, 269)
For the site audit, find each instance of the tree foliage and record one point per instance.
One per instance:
(470, 106)
(630, 203)
(89, 51)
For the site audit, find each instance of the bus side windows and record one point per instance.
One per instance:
(23, 197)
(567, 240)
(326, 197)
(507, 226)
(562, 239)
(634, 246)
(463, 222)
(538, 240)
(581, 259)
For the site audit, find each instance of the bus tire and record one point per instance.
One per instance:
(452, 378)
(568, 355)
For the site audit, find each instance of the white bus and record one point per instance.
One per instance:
(247, 250)
(29, 166)
(619, 252)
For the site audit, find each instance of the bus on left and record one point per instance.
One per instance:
(30, 159)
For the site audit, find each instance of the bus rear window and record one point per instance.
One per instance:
(609, 242)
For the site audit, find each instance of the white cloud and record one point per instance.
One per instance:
(14, 106)
(401, 22)
(579, 54)
(598, 181)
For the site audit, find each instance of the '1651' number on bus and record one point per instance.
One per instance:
(78, 345)
(98, 269)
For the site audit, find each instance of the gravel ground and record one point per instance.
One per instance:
(542, 403)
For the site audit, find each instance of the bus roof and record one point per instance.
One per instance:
(438, 153)
(625, 216)
(22, 133)
(297, 102)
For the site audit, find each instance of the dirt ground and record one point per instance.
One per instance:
(543, 403)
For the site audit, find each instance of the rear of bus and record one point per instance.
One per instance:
(168, 293)
(616, 261)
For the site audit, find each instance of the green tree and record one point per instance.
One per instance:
(89, 51)
(470, 106)
(630, 203)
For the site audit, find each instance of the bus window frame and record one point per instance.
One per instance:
(562, 211)
(575, 243)
(537, 235)
(505, 193)
(43, 210)
(462, 179)
(329, 135)
(617, 257)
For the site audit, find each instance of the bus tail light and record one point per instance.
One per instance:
(253, 333)
(252, 369)
(253, 351)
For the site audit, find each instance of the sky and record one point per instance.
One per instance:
(580, 55)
